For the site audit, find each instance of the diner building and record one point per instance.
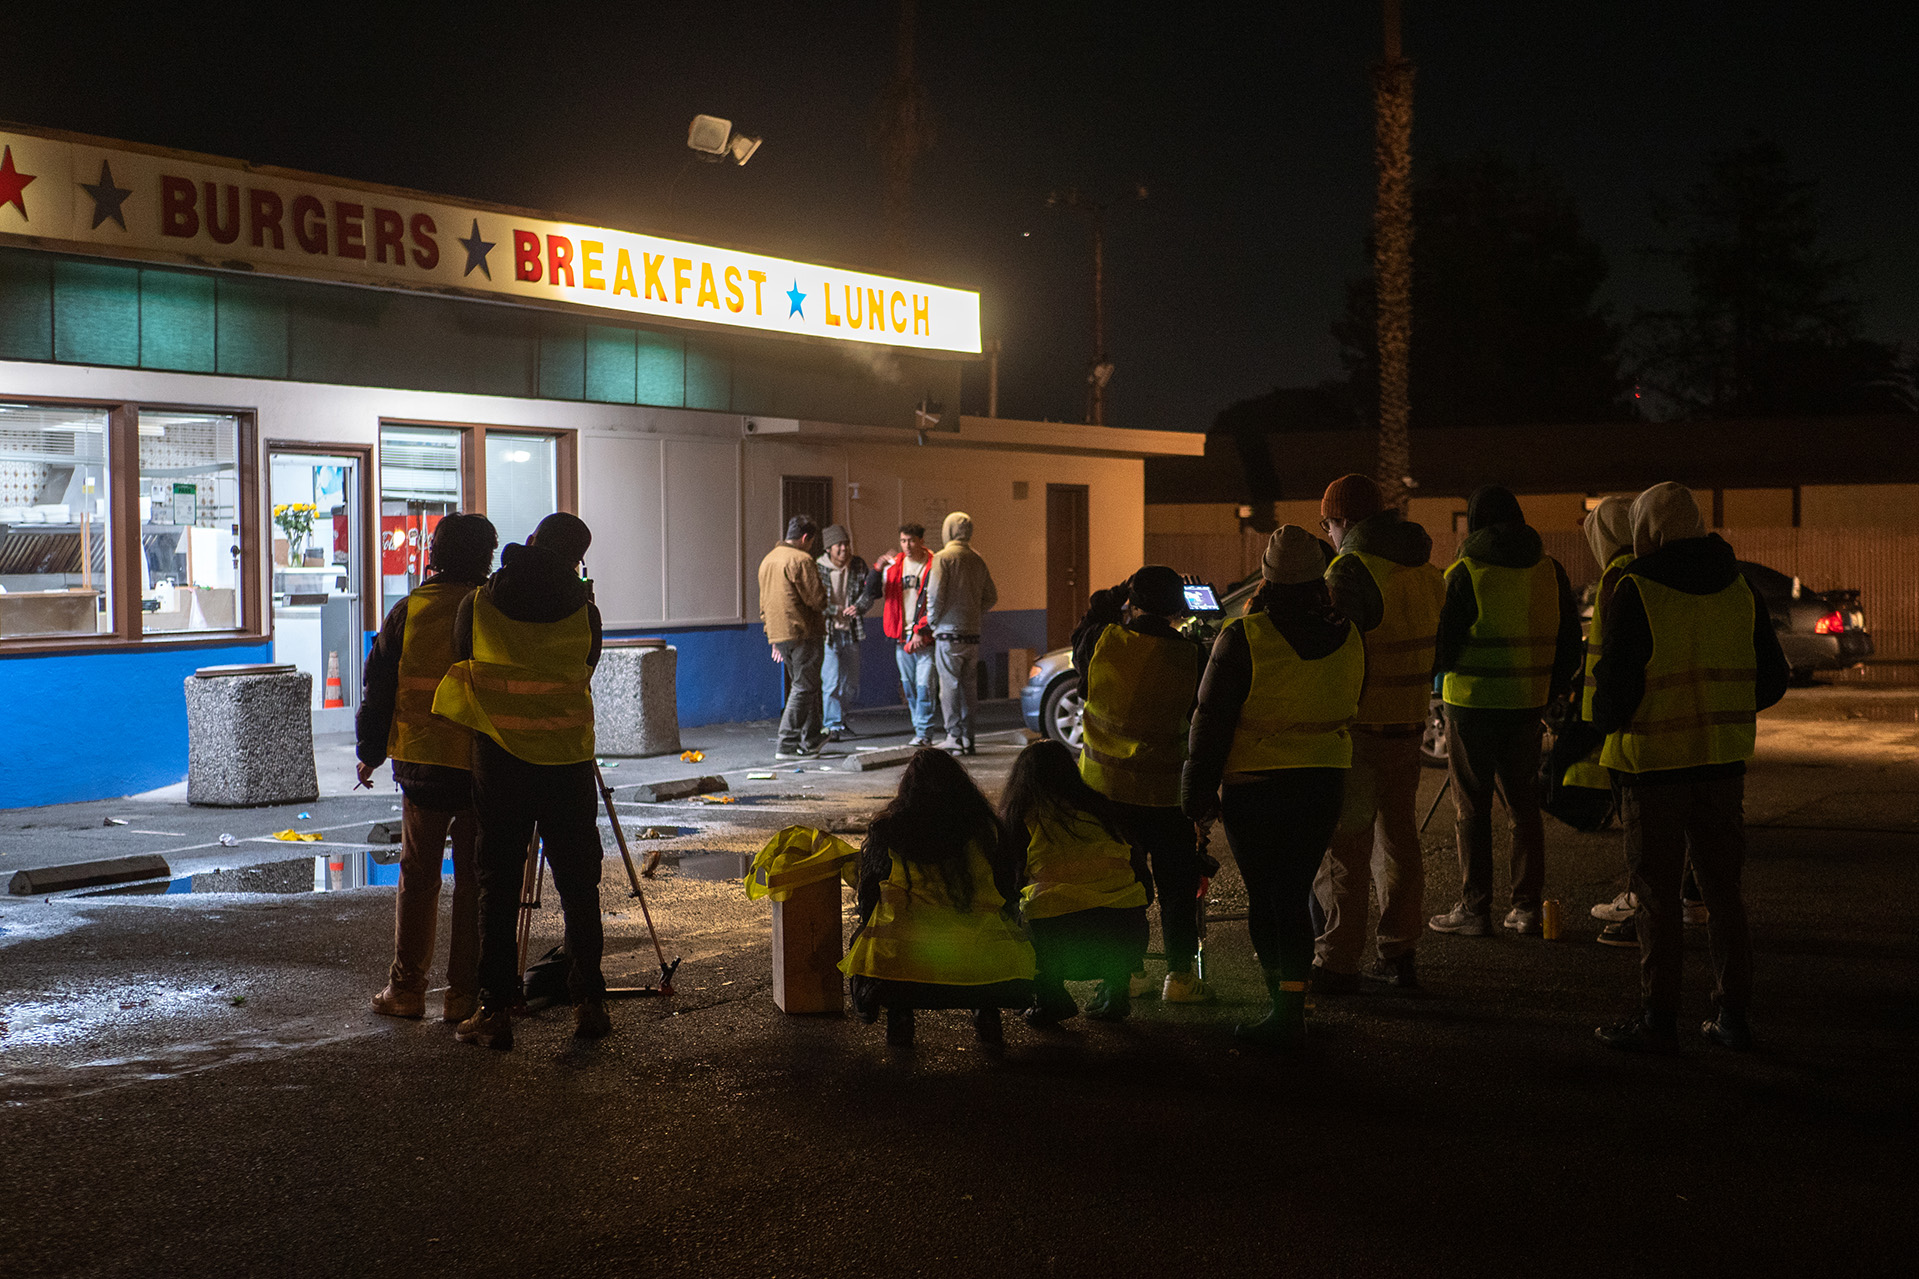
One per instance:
(235, 400)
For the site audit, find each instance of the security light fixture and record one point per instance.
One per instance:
(714, 140)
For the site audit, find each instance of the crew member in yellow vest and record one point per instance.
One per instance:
(1084, 886)
(1385, 583)
(936, 893)
(528, 641)
(1689, 658)
(1509, 643)
(1138, 677)
(432, 760)
(1270, 748)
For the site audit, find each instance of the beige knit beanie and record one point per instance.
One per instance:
(1292, 556)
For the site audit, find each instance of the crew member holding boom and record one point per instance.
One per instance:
(530, 639)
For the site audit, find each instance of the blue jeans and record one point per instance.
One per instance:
(840, 679)
(917, 679)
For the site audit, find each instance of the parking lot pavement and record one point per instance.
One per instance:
(194, 1084)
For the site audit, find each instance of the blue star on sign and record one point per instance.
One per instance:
(794, 296)
(108, 196)
(476, 251)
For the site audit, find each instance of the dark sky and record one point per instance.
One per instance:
(1251, 124)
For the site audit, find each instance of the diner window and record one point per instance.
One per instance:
(522, 482)
(189, 499)
(55, 522)
(421, 480)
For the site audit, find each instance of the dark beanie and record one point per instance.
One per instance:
(566, 536)
(1157, 589)
(1351, 497)
(833, 536)
(463, 546)
(1491, 504)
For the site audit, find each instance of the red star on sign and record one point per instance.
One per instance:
(13, 183)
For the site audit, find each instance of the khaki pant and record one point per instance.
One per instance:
(1374, 850)
(416, 908)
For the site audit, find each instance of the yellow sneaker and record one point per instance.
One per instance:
(400, 1003)
(1185, 988)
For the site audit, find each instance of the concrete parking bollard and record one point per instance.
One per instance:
(250, 736)
(635, 702)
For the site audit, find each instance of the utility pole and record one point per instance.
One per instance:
(1100, 372)
(905, 132)
(1393, 257)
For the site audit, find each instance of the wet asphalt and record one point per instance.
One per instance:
(192, 1084)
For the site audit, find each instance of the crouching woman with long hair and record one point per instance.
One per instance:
(1085, 889)
(936, 928)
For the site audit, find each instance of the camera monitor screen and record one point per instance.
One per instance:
(1200, 599)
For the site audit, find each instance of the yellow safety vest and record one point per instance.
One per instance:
(1139, 708)
(1595, 631)
(1589, 772)
(1507, 660)
(528, 685)
(417, 735)
(1699, 706)
(1297, 713)
(1399, 651)
(1076, 865)
(917, 934)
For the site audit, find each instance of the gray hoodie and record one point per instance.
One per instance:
(959, 587)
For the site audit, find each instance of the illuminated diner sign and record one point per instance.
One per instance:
(94, 196)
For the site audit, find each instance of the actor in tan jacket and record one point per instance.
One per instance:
(792, 603)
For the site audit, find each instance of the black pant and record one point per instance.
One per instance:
(1278, 828)
(1490, 750)
(1105, 943)
(512, 798)
(1171, 845)
(1665, 825)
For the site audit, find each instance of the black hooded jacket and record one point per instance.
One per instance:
(434, 786)
(1509, 544)
(1386, 535)
(1696, 566)
(531, 585)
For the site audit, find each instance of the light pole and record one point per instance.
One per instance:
(1393, 257)
(1101, 370)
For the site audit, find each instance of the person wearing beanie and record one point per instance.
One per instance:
(1509, 643)
(844, 575)
(1138, 677)
(793, 610)
(432, 763)
(527, 643)
(959, 594)
(1268, 756)
(1687, 659)
(1383, 580)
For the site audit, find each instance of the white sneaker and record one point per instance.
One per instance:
(1185, 988)
(1624, 906)
(1139, 984)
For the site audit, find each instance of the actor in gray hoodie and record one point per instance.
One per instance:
(959, 592)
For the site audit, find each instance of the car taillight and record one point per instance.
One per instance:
(1830, 624)
(1034, 673)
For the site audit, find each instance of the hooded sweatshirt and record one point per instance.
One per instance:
(531, 585)
(1386, 535)
(959, 590)
(1609, 530)
(1697, 565)
(1509, 544)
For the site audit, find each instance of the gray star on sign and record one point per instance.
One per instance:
(476, 251)
(107, 198)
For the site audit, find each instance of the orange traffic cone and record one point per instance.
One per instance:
(334, 694)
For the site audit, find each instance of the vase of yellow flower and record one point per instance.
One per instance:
(295, 519)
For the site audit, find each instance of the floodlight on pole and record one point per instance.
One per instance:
(713, 140)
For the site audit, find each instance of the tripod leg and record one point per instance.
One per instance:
(529, 898)
(1443, 788)
(619, 836)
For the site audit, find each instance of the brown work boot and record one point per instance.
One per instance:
(400, 1003)
(457, 1006)
(489, 1028)
(590, 1021)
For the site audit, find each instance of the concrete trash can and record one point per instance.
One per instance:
(636, 709)
(250, 736)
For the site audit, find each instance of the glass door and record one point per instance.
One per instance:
(420, 481)
(315, 511)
